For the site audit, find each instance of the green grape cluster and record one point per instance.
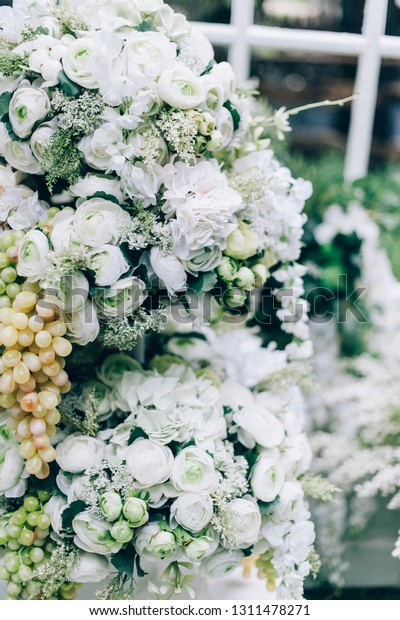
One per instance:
(9, 288)
(46, 223)
(25, 535)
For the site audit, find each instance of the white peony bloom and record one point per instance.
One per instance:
(150, 52)
(79, 452)
(93, 535)
(291, 505)
(181, 88)
(108, 263)
(244, 516)
(267, 478)
(54, 509)
(83, 325)
(193, 471)
(122, 298)
(149, 462)
(27, 106)
(193, 511)
(76, 62)
(33, 256)
(97, 221)
(90, 568)
(169, 270)
(221, 563)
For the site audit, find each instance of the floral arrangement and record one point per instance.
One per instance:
(137, 179)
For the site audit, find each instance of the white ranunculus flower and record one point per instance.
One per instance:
(100, 147)
(41, 138)
(122, 298)
(11, 465)
(193, 511)
(79, 452)
(221, 563)
(154, 544)
(181, 88)
(97, 221)
(76, 62)
(224, 73)
(224, 124)
(27, 106)
(151, 52)
(72, 293)
(114, 367)
(83, 325)
(90, 568)
(267, 478)
(193, 471)
(169, 270)
(108, 263)
(149, 462)
(33, 256)
(54, 509)
(214, 93)
(18, 154)
(247, 517)
(93, 183)
(201, 548)
(175, 25)
(63, 236)
(260, 427)
(93, 535)
(206, 259)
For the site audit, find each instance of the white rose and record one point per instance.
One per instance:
(193, 471)
(224, 73)
(247, 518)
(90, 568)
(101, 146)
(221, 563)
(267, 478)
(83, 325)
(92, 183)
(11, 465)
(33, 256)
(108, 263)
(93, 535)
(97, 221)
(76, 62)
(260, 427)
(27, 106)
(54, 509)
(151, 52)
(41, 138)
(181, 88)
(122, 298)
(169, 270)
(18, 154)
(79, 452)
(193, 511)
(154, 544)
(148, 462)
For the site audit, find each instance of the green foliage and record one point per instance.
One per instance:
(61, 158)
(12, 64)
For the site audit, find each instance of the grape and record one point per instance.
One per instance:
(13, 589)
(19, 517)
(8, 275)
(13, 531)
(4, 574)
(43, 522)
(31, 503)
(25, 573)
(44, 495)
(13, 545)
(12, 564)
(36, 555)
(3, 536)
(27, 538)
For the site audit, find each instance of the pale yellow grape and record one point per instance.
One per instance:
(50, 387)
(51, 430)
(51, 370)
(48, 454)
(20, 320)
(32, 361)
(41, 442)
(7, 400)
(53, 417)
(21, 373)
(29, 402)
(7, 382)
(57, 328)
(44, 471)
(29, 386)
(48, 400)
(66, 388)
(39, 412)
(45, 310)
(23, 428)
(12, 425)
(34, 348)
(60, 379)
(40, 377)
(37, 426)
(26, 337)
(27, 449)
(44, 339)
(25, 301)
(9, 336)
(62, 346)
(36, 323)
(3, 367)
(47, 355)
(11, 357)
(34, 464)
(6, 315)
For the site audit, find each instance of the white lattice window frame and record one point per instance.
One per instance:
(370, 48)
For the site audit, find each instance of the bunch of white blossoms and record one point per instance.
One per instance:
(122, 111)
(192, 472)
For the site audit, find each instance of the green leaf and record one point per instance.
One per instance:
(70, 513)
(267, 508)
(5, 99)
(139, 569)
(136, 434)
(124, 561)
(69, 87)
(146, 27)
(209, 67)
(12, 133)
(105, 196)
(234, 113)
(251, 458)
(204, 283)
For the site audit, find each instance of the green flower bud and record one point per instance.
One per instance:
(242, 242)
(245, 279)
(162, 544)
(121, 532)
(234, 298)
(197, 549)
(216, 141)
(135, 510)
(261, 274)
(110, 505)
(227, 269)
